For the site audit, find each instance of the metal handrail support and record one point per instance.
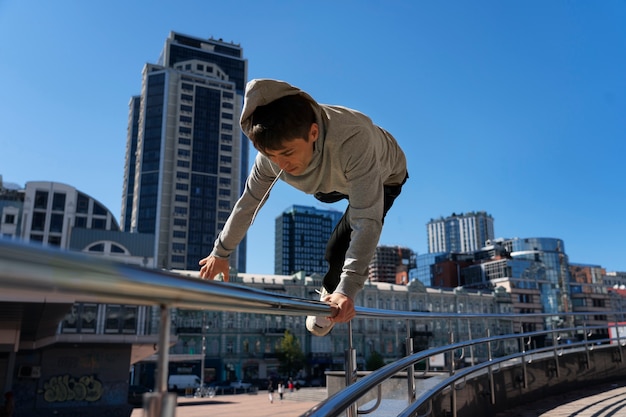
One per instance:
(469, 337)
(522, 343)
(451, 342)
(379, 400)
(410, 372)
(586, 335)
(492, 385)
(619, 343)
(161, 403)
(555, 341)
(351, 370)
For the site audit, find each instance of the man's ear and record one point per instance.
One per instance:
(314, 132)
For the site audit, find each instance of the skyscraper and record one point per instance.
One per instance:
(186, 158)
(392, 264)
(301, 236)
(460, 233)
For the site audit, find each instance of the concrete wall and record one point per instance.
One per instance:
(71, 380)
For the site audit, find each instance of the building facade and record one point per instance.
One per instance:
(301, 235)
(392, 264)
(186, 158)
(459, 233)
(535, 271)
(246, 346)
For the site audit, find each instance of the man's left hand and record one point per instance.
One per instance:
(342, 307)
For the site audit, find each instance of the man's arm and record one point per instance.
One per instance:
(239, 220)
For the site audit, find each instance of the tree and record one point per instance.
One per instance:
(290, 354)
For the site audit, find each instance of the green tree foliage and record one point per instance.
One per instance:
(374, 361)
(290, 354)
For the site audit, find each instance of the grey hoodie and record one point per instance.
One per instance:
(352, 156)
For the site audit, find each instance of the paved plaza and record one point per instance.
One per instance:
(602, 401)
(247, 405)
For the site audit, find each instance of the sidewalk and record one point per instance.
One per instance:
(247, 405)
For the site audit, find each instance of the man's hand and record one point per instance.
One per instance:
(342, 307)
(211, 266)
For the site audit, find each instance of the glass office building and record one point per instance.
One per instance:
(460, 233)
(186, 157)
(301, 236)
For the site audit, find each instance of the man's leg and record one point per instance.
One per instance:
(339, 241)
(336, 249)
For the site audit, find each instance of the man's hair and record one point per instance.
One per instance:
(282, 120)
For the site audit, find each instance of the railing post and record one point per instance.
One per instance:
(469, 337)
(586, 338)
(619, 341)
(410, 372)
(556, 340)
(452, 358)
(451, 341)
(161, 403)
(492, 386)
(351, 369)
(524, 372)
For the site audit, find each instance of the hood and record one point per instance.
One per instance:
(260, 92)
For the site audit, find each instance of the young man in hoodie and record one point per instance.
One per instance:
(333, 153)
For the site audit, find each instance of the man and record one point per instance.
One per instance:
(333, 153)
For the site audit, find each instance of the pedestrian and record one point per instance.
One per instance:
(332, 152)
(270, 391)
(9, 405)
(281, 389)
(290, 385)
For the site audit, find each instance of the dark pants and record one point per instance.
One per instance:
(339, 241)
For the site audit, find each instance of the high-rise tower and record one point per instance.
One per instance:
(460, 233)
(301, 236)
(186, 157)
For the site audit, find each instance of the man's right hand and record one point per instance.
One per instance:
(211, 266)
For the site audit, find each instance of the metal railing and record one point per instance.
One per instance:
(27, 268)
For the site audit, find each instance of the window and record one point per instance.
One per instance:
(58, 202)
(99, 209)
(41, 200)
(99, 224)
(56, 223)
(112, 321)
(98, 247)
(39, 221)
(82, 204)
(80, 222)
(117, 249)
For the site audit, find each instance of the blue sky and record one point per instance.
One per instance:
(517, 108)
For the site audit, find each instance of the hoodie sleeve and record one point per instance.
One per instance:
(258, 183)
(366, 198)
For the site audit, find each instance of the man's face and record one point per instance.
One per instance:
(295, 155)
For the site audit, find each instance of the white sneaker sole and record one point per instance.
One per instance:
(316, 329)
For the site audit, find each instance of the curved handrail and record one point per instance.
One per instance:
(52, 271)
(29, 267)
(49, 271)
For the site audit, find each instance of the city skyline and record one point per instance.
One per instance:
(511, 108)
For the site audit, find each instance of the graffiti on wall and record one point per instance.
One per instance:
(64, 388)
